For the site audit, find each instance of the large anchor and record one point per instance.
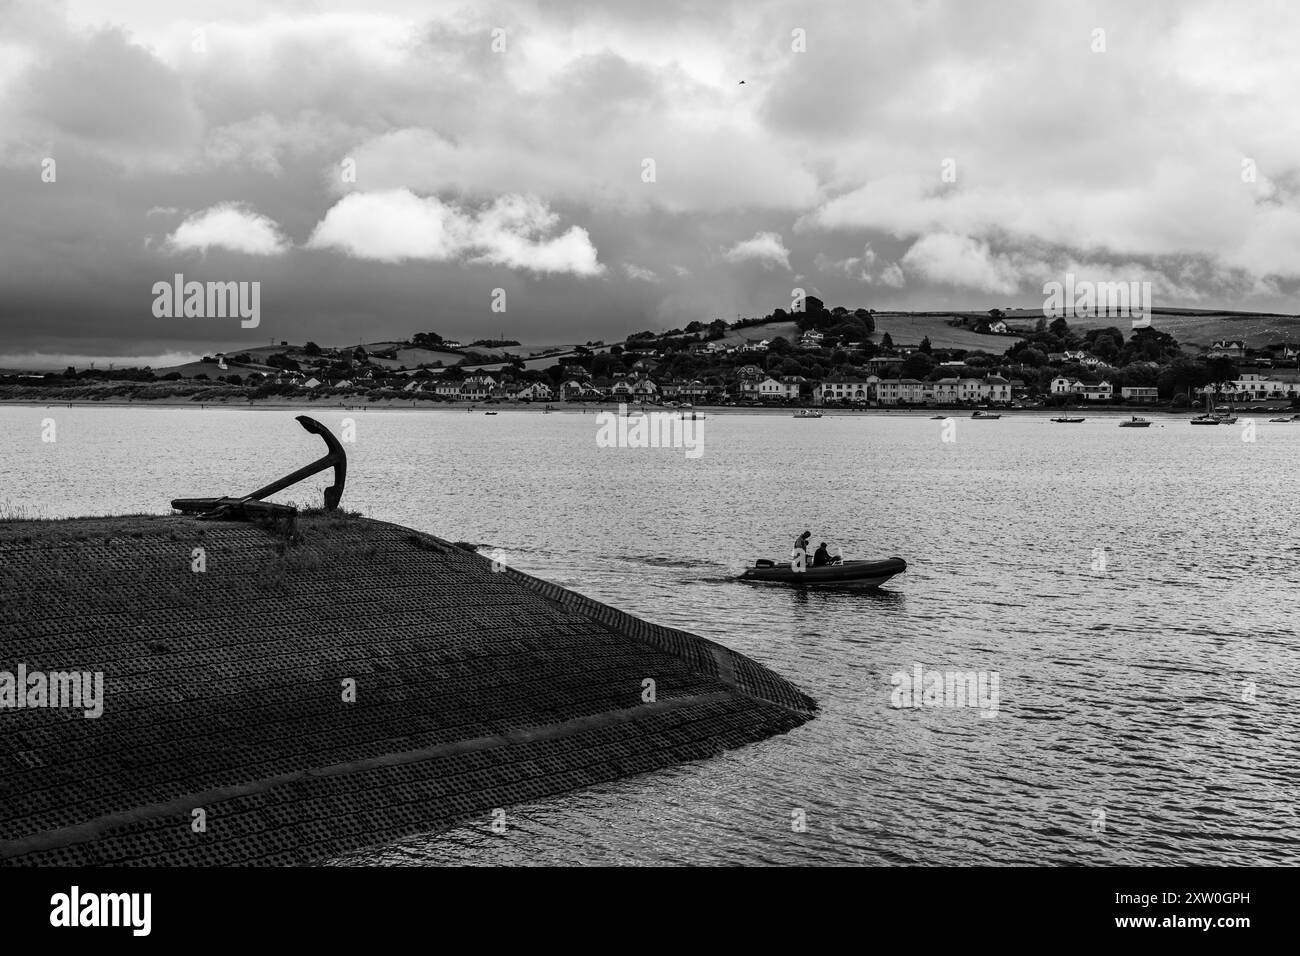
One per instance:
(252, 506)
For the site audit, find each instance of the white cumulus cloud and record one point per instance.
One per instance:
(397, 225)
(231, 226)
(962, 262)
(766, 247)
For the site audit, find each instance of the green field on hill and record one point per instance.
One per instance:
(1192, 327)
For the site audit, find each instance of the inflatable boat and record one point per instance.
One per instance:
(863, 575)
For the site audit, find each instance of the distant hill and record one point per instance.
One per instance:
(1194, 327)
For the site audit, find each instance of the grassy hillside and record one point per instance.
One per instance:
(905, 328)
(1194, 327)
(768, 330)
(908, 328)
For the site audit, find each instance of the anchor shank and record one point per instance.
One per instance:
(306, 471)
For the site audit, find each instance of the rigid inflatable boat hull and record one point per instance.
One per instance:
(855, 575)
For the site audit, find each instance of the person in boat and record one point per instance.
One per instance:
(801, 545)
(821, 557)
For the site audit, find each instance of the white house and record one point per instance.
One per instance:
(447, 389)
(843, 390)
(771, 388)
(311, 383)
(953, 391)
(645, 390)
(996, 389)
(1061, 385)
(904, 391)
(1101, 392)
(1227, 348)
(533, 392)
(477, 387)
(1140, 394)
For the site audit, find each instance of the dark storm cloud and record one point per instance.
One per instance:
(382, 168)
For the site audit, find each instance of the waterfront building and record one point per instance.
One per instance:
(904, 391)
(856, 390)
(644, 390)
(771, 389)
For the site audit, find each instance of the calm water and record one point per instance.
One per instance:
(1125, 690)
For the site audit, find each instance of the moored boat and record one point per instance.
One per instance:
(985, 415)
(807, 413)
(1135, 422)
(1067, 421)
(1212, 417)
(858, 575)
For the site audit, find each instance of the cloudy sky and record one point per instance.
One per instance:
(381, 168)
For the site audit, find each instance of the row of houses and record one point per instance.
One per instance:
(911, 391)
(1255, 387)
(1103, 391)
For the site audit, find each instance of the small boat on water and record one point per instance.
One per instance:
(938, 418)
(985, 415)
(1067, 421)
(855, 575)
(807, 413)
(489, 413)
(1212, 417)
(1290, 421)
(1135, 422)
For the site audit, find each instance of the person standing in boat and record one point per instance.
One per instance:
(800, 553)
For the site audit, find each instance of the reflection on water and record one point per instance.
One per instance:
(1156, 684)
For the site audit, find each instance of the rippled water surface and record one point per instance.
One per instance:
(1160, 691)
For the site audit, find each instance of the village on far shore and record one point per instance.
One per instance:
(816, 357)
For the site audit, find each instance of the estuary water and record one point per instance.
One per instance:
(1132, 591)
